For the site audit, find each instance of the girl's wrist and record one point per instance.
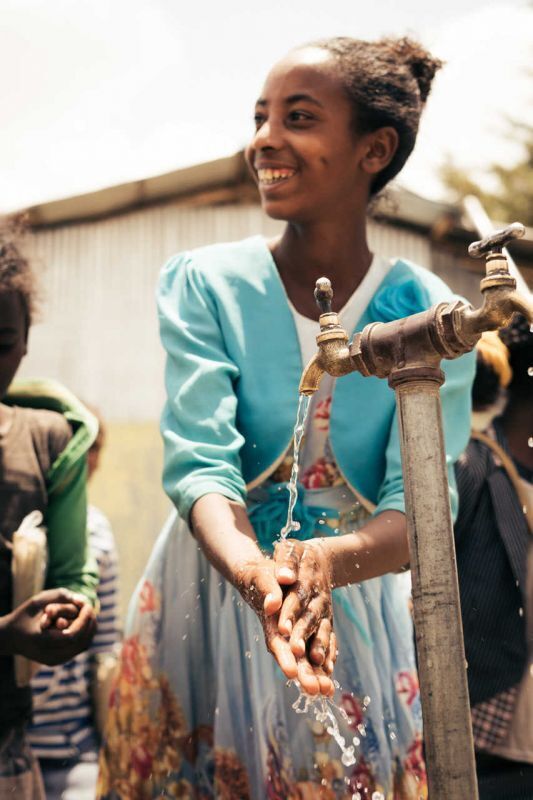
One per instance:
(327, 555)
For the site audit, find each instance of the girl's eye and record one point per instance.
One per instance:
(300, 116)
(258, 120)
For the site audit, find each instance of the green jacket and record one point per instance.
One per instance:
(70, 563)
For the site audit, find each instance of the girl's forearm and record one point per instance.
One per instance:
(224, 533)
(379, 547)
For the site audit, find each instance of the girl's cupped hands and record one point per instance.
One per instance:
(272, 596)
(306, 616)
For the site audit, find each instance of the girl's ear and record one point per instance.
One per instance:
(381, 147)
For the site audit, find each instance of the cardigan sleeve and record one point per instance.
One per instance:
(456, 412)
(70, 562)
(201, 441)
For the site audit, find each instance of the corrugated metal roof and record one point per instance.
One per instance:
(226, 180)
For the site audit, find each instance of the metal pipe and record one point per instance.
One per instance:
(408, 352)
(438, 627)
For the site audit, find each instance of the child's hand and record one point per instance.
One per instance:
(307, 614)
(61, 615)
(258, 585)
(23, 632)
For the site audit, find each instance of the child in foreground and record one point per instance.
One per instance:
(42, 468)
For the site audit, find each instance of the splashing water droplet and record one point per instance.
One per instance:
(520, 612)
(530, 372)
(323, 709)
(248, 654)
(530, 441)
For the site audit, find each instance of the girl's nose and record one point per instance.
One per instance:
(269, 136)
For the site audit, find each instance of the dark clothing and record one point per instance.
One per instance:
(27, 452)
(501, 779)
(492, 538)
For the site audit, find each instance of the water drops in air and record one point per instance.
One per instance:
(530, 441)
(530, 372)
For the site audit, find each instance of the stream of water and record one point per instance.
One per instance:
(301, 417)
(322, 707)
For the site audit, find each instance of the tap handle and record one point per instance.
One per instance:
(324, 295)
(497, 240)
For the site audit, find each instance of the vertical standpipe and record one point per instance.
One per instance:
(438, 626)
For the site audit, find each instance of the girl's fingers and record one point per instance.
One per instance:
(287, 560)
(327, 687)
(307, 624)
(279, 647)
(290, 610)
(307, 677)
(333, 650)
(268, 594)
(320, 642)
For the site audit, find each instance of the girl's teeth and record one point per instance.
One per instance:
(273, 175)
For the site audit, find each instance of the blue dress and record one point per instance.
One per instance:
(199, 708)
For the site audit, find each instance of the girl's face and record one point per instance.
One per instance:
(12, 337)
(305, 157)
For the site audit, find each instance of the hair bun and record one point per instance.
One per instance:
(421, 63)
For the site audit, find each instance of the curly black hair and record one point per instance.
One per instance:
(518, 337)
(387, 82)
(16, 274)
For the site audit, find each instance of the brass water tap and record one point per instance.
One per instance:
(500, 298)
(413, 347)
(333, 354)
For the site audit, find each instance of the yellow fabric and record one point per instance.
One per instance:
(493, 351)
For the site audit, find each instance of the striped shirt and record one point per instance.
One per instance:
(62, 712)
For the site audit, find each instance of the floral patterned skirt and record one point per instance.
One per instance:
(201, 710)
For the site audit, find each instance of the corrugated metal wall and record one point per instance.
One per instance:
(98, 335)
(98, 329)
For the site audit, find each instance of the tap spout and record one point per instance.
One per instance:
(311, 376)
(333, 355)
(496, 312)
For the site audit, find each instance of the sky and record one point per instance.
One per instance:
(99, 92)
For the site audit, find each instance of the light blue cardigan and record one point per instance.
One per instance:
(233, 369)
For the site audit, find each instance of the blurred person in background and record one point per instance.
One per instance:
(495, 565)
(65, 732)
(44, 437)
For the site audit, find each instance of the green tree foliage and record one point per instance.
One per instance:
(512, 198)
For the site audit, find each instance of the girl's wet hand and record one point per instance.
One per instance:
(307, 614)
(258, 586)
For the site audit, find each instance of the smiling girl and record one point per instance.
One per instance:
(201, 709)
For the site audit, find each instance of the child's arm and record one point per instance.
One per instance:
(71, 564)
